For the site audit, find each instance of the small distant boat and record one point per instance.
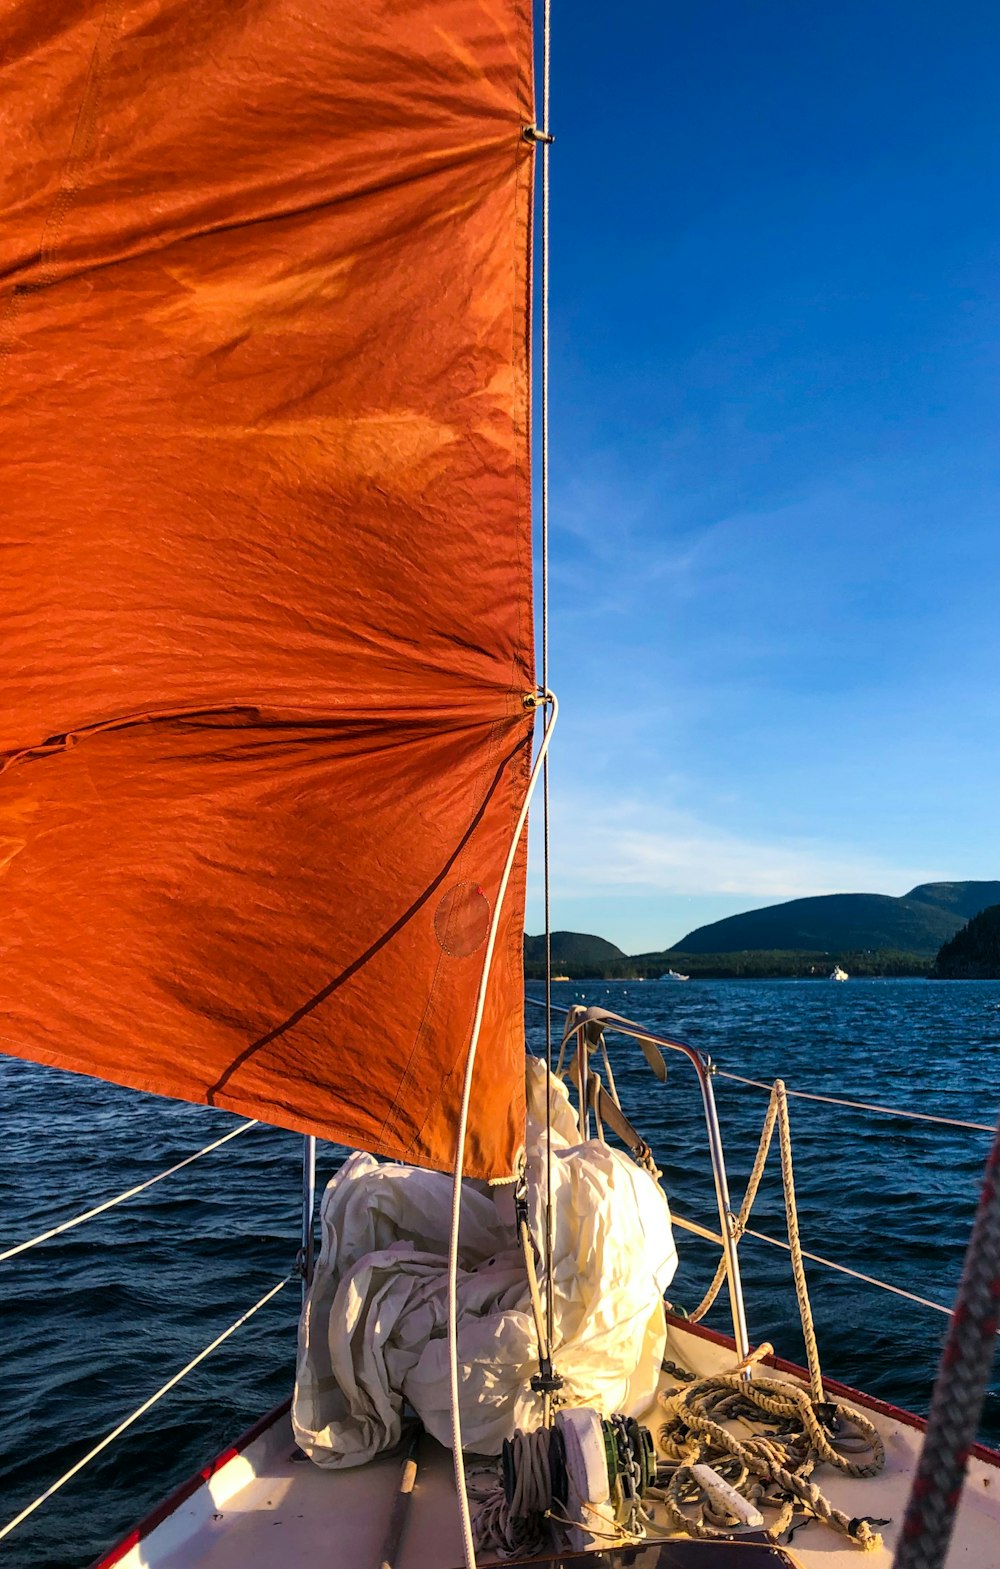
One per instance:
(560, 977)
(675, 975)
(839, 974)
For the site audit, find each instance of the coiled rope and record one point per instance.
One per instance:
(772, 1467)
(518, 1527)
(514, 1518)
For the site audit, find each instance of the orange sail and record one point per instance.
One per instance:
(265, 597)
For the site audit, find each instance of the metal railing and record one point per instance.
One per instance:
(729, 1237)
(610, 1023)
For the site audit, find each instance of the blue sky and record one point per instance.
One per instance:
(775, 457)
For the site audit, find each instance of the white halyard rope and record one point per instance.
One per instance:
(130, 1193)
(463, 1120)
(139, 1411)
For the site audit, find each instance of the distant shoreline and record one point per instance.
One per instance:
(745, 966)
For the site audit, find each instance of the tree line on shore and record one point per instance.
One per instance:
(972, 954)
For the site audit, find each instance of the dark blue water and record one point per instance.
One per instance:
(92, 1323)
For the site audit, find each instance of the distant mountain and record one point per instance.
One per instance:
(964, 899)
(973, 954)
(918, 923)
(570, 948)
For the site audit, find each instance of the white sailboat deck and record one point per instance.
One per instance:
(270, 1508)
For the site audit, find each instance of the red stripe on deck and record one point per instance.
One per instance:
(982, 1452)
(186, 1489)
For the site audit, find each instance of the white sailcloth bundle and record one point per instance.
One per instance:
(373, 1335)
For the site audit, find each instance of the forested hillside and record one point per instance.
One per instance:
(973, 954)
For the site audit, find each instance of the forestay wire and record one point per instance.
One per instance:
(546, 714)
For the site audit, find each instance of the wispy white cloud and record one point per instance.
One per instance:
(639, 845)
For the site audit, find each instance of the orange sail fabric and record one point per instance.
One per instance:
(265, 589)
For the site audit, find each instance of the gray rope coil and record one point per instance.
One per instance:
(515, 1515)
(518, 1526)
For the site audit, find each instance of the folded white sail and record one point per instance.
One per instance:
(374, 1329)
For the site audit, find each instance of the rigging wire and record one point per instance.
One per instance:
(861, 1105)
(708, 1235)
(139, 1411)
(463, 1119)
(546, 718)
(855, 1274)
(98, 1209)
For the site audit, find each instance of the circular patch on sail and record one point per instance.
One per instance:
(462, 919)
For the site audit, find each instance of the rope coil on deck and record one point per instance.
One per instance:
(515, 1516)
(772, 1467)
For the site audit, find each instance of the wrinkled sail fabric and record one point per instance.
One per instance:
(373, 1334)
(265, 599)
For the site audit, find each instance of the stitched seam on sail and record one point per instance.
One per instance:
(319, 997)
(80, 149)
(390, 1128)
(390, 1125)
(444, 165)
(52, 746)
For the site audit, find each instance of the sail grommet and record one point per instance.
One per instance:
(534, 133)
(539, 698)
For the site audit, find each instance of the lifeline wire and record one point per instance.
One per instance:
(463, 1120)
(67, 1225)
(832, 1100)
(816, 1258)
(139, 1411)
(861, 1105)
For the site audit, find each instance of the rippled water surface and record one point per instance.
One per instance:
(93, 1322)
